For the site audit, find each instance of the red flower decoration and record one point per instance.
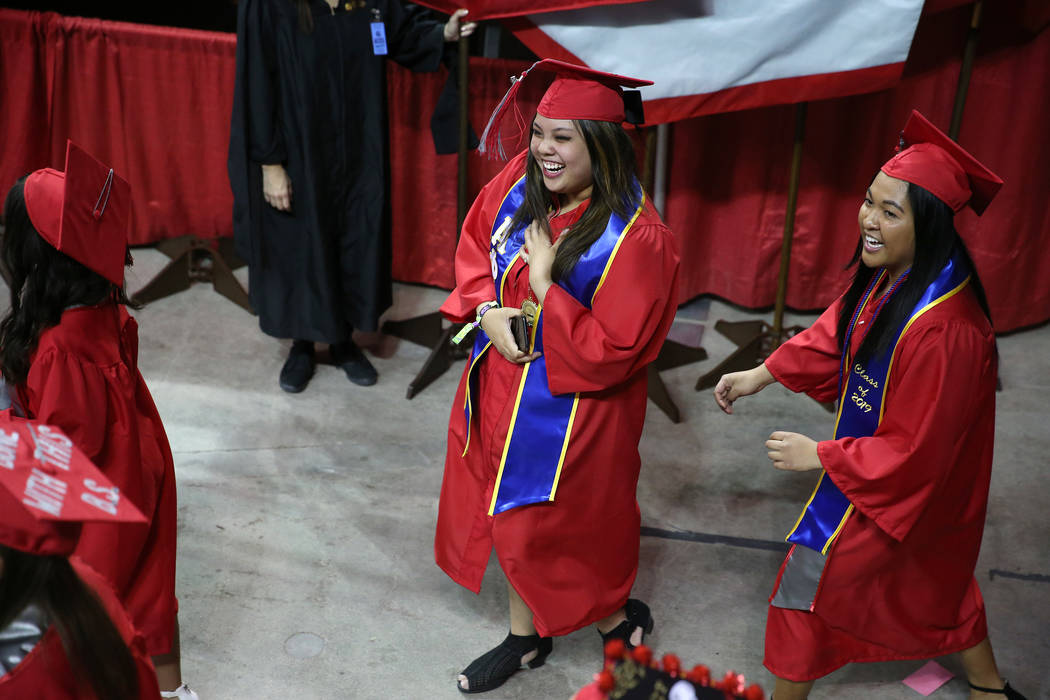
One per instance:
(606, 681)
(700, 675)
(754, 692)
(615, 649)
(672, 665)
(643, 655)
(733, 683)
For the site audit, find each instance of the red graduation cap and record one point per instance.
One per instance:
(576, 92)
(83, 211)
(933, 161)
(48, 487)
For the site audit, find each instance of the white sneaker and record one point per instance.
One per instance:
(183, 692)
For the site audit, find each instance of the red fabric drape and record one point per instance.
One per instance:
(24, 97)
(728, 174)
(153, 102)
(423, 184)
(492, 9)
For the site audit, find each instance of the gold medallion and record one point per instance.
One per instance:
(530, 311)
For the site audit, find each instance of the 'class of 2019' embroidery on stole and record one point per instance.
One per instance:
(861, 406)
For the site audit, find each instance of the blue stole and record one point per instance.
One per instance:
(541, 423)
(862, 391)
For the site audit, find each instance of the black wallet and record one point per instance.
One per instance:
(520, 330)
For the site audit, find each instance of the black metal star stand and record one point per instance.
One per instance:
(755, 340)
(196, 259)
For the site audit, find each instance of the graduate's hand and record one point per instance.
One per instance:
(736, 384)
(496, 324)
(793, 452)
(277, 187)
(454, 28)
(539, 254)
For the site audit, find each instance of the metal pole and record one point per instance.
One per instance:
(789, 224)
(461, 177)
(663, 132)
(650, 159)
(964, 72)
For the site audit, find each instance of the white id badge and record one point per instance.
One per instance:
(378, 39)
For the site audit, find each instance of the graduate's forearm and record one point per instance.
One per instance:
(762, 377)
(540, 288)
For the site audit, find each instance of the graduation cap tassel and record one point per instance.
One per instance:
(491, 141)
(103, 196)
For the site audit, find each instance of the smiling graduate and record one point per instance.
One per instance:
(542, 462)
(884, 552)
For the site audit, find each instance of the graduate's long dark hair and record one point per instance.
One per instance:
(95, 650)
(613, 170)
(935, 241)
(43, 283)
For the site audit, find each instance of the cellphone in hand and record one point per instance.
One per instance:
(520, 330)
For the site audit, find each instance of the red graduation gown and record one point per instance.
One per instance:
(899, 580)
(45, 673)
(84, 378)
(574, 560)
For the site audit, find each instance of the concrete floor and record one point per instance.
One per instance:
(306, 521)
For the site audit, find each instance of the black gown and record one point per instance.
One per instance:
(316, 104)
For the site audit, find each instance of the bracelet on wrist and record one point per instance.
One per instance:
(467, 328)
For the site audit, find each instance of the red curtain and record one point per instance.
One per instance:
(25, 92)
(423, 184)
(155, 102)
(728, 174)
(492, 9)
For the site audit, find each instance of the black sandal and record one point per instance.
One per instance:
(1006, 690)
(638, 615)
(494, 667)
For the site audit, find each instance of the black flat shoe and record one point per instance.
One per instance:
(638, 616)
(494, 667)
(1006, 690)
(353, 362)
(298, 368)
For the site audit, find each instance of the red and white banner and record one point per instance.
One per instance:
(499, 9)
(709, 56)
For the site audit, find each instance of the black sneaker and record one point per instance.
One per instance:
(354, 363)
(298, 368)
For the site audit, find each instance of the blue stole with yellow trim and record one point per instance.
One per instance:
(541, 423)
(861, 405)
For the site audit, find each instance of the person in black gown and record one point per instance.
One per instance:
(307, 165)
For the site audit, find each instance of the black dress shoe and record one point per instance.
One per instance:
(298, 368)
(354, 363)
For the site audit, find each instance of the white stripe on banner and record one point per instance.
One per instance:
(692, 47)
